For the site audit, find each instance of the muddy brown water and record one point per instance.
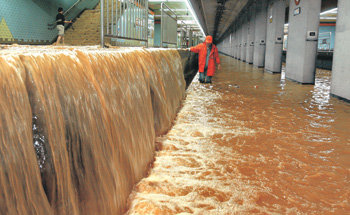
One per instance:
(252, 142)
(78, 125)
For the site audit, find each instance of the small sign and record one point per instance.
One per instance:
(270, 19)
(297, 2)
(297, 11)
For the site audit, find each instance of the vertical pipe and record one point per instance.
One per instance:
(144, 19)
(107, 7)
(146, 24)
(161, 24)
(132, 30)
(112, 17)
(102, 33)
(140, 19)
(134, 17)
(120, 18)
(124, 18)
(128, 21)
(116, 18)
(142, 5)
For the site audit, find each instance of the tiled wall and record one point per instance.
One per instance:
(26, 21)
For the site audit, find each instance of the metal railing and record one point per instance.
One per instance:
(124, 20)
(53, 25)
(168, 32)
(184, 31)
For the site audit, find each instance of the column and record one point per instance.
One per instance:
(340, 86)
(304, 21)
(260, 33)
(239, 42)
(244, 37)
(251, 34)
(234, 43)
(274, 35)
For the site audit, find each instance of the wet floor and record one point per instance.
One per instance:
(252, 142)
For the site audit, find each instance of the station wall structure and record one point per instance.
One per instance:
(324, 29)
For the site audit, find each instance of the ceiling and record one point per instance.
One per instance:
(219, 14)
(215, 16)
(180, 8)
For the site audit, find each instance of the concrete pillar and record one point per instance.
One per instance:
(244, 37)
(251, 34)
(340, 86)
(304, 20)
(231, 43)
(239, 42)
(260, 33)
(234, 43)
(274, 36)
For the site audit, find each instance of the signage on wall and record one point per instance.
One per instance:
(297, 2)
(270, 19)
(297, 11)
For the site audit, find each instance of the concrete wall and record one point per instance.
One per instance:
(341, 73)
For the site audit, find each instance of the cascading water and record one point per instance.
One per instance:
(92, 115)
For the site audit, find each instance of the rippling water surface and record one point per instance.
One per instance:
(252, 142)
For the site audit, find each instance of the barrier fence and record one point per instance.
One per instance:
(124, 20)
(168, 26)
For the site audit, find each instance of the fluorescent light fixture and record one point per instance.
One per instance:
(165, 0)
(334, 10)
(189, 6)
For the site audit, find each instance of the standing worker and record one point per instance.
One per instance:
(208, 55)
(60, 20)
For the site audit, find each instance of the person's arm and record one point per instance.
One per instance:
(195, 49)
(217, 58)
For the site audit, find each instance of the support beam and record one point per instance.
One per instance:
(340, 86)
(251, 34)
(304, 21)
(260, 33)
(274, 37)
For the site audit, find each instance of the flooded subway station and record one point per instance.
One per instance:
(103, 109)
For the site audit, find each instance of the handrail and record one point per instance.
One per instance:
(163, 4)
(66, 12)
(75, 4)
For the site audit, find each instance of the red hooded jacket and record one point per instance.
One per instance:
(214, 56)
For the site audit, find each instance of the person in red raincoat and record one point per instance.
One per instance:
(208, 56)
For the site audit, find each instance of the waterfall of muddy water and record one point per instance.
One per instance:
(252, 142)
(92, 116)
